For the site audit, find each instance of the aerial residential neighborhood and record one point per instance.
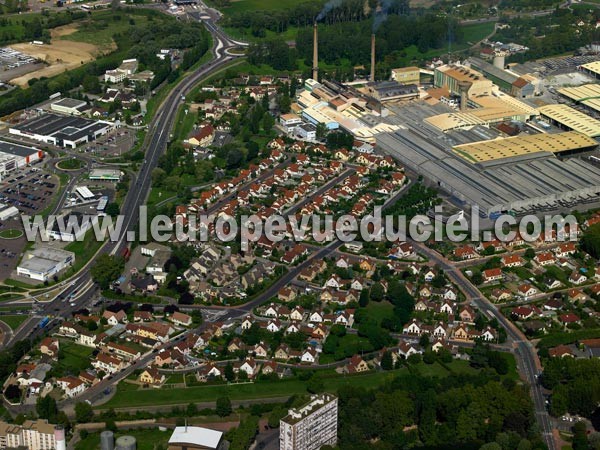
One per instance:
(262, 225)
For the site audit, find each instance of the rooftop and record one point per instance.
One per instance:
(572, 119)
(495, 149)
(199, 436)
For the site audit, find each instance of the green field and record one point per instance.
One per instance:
(129, 395)
(146, 439)
(134, 398)
(70, 164)
(380, 311)
(476, 32)
(100, 29)
(73, 358)
(265, 5)
(14, 321)
(84, 250)
(11, 233)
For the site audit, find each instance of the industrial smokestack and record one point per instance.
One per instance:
(372, 78)
(315, 69)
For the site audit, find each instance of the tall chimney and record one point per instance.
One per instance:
(372, 78)
(315, 69)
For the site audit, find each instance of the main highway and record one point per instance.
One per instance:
(80, 287)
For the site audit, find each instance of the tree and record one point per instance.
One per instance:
(363, 300)
(424, 340)
(46, 408)
(112, 209)
(223, 407)
(267, 122)
(91, 84)
(229, 373)
(12, 392)
(387, 362)
(529, 253)
(376, 292)
(590, 240)
(580, 440)
(107, 269)
(83, 412)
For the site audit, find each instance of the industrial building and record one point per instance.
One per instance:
(43, 263)
(452, 76)
(529, 183)
(487, 110)
(61, 130)
(591, 68)
(188, 437)
(492, 151)
(587, 95)
(407, 75)
(508, 82)
(311, 426)
(566, 117)
(392, 90)
(14, 156)
(70, 106)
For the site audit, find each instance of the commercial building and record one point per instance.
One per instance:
(407, 75)
(43, 263)
(306, 131)
(70, 106)
(311, 426)
(105, 175)
(191, 438)
(32, 435)
(60, 130)
(571, 119)
(14, 156)
(128, 67)
(72, 227)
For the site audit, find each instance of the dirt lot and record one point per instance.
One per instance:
(60, 55)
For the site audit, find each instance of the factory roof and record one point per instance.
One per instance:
(572, 119)
(581, 93)
(461, 73)
(518, 146)
(592, 67)
(493, 71)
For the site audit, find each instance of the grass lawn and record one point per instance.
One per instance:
(475, 32)
(265, 5)
(14, 321)
(184, 123)
(70, 164)
(11, 233)
(380, 311)
(128, 397)
(147, 439)
(73, 358)
(158, 195)
(84, 250)
(101, 27)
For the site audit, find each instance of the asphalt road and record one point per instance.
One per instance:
(525, 353)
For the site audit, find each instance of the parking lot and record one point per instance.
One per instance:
(30, 190)
(115, 143)
(10, 249)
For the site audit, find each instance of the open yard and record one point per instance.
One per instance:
(59, 55)
(147, 439)
(73, 358)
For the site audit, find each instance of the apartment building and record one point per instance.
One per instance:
(311, 426)
(33, 435)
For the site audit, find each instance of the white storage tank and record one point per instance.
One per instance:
(107, 440)
(126, 443)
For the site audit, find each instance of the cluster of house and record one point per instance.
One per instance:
(119, 343)
(557, 311)
(586, 348)
(217, 275)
